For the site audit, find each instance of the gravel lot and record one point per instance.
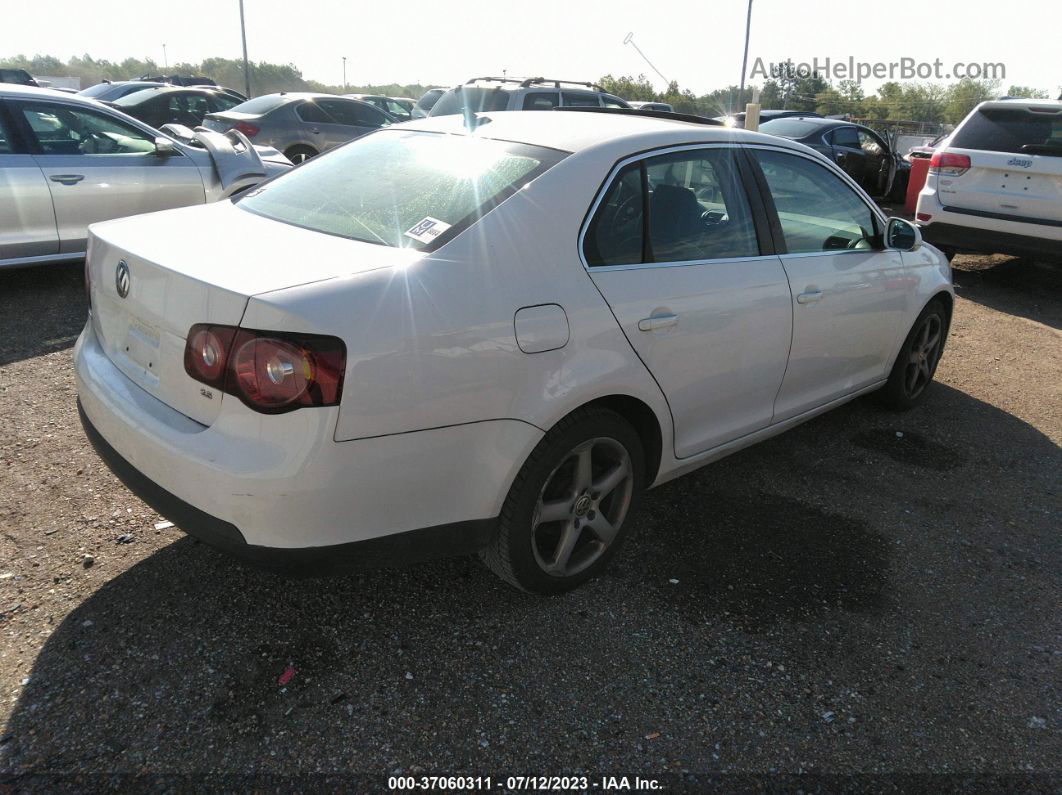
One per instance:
(867, 594)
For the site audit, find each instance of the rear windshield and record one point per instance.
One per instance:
(143, 95)
(470, 99)
(402, 189)
(260, 105)
(427, 102)
(1011, 130)
(96, 90)
(788, 128)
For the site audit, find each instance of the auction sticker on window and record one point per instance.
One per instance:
(427, 230)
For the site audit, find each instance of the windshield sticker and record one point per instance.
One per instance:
(427, 230)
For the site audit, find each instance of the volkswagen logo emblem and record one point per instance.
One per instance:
(121, 279)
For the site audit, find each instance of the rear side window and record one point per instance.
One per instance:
(1017, 130)
(470, 99)
(541, 100)
(846, 136)
(402, 189)
(311, 112)
(685, 206)
(354, 113)
(816, 209)
(580, 99)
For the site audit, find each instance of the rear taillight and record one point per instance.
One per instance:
(272, 372)
(249, 130)
(949, 164)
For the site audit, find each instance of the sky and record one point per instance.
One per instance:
(699, 44)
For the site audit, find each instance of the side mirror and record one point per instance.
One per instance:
(164, 147)
(902, 235)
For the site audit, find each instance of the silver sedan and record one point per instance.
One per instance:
(300, 125)
(67, 162)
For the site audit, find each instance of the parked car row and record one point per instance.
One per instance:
(67, 162)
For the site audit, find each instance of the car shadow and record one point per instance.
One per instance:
(42, 310)
(1015, 285)
(188, 660)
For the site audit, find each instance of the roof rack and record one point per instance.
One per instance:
(652, 114)
(527, 82)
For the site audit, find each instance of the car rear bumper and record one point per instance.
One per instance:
(279, 489)
(983, 232)
(965, 238)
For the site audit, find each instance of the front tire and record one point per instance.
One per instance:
(915, 365)
(569, 509)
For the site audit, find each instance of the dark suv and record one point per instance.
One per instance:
(17, 76)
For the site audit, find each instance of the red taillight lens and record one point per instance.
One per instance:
(247, 129)
(949, 164)
(271, 372)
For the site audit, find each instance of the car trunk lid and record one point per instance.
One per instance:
(1015, 153)
(154, 277)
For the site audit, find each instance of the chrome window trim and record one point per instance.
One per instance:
(607, 184)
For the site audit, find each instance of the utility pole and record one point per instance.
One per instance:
(344, 74)
(165, 60)
(745, 58)
(246, 65)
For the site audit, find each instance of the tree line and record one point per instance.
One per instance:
(787, 89)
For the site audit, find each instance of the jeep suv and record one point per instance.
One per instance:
(535, 93)
(995, 185)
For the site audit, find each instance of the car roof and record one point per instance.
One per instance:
(22, 92)
(570, 131)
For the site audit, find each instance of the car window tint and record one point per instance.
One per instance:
(613, 102)
(401, 188)
(817, 210)
(353, 113)
(697, 208)
(615, 234)
(225, 102)
(580, 99)
(541, 100)
(6, 145)
(63, 130)
(846, 136)
(870, 144)
(311, 112)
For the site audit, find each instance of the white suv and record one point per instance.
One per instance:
(481, 94)
(995, 185)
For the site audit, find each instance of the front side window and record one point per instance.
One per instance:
(816, 209)
(613, 102)
(403, 189)
(311, 112)
(684, 206)
(64, 130)
(871, 145)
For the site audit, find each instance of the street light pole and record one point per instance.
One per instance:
(745, 58)
(165, 60)
(246, 65)
(344, 74)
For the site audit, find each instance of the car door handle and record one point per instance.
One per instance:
(809, 296)
(316, 132)
(657, 322)
(68, 179)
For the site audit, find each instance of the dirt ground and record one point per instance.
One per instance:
(870, 594)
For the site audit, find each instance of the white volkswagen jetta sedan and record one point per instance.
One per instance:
(491, 335)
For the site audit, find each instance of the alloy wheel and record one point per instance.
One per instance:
(582, 507)
(923, 354)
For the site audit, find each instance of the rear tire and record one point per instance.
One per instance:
(570, 507)
(912, 372)
(299, 154)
